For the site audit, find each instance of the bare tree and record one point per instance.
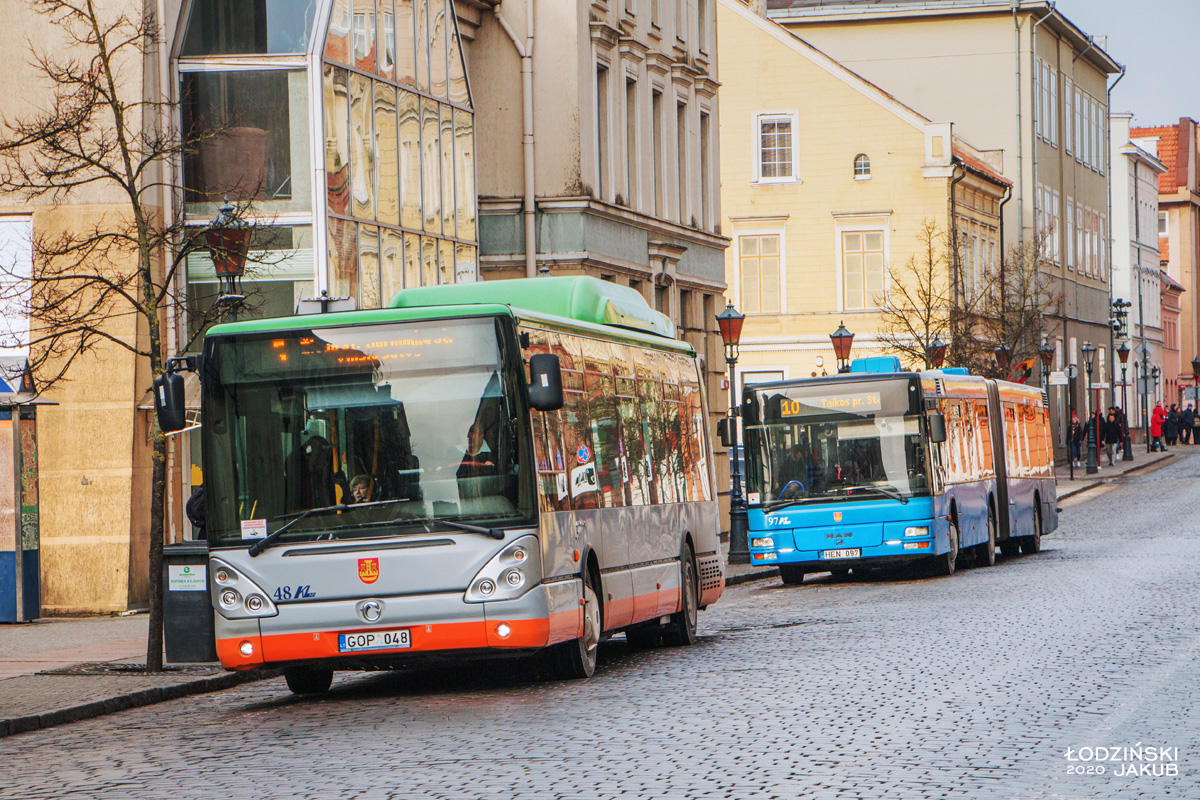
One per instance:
(101, 136)
(1026, 298)
(930, 299)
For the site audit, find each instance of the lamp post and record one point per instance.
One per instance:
(228, 240)
(1196, 379)
(1003, 359)
(842, 340)
(730, 322)
(1093, 436)
(937, 353)
(1126, 440)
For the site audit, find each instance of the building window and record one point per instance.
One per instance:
(1068, 115)
(862, 167)
(760, 267)
(631, 141)
(862, 269)
(602, 139)
(681, 133)
(656, 124)
(705, 172)
(776, 148)
(1162, 223)
(1070, 233)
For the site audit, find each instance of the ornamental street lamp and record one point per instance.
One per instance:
(1093, 435)
(228, 240)
(1196, 378)
(730, 322)
(1003, 358)
(842, 340)
(1126, 439)
(937, 353)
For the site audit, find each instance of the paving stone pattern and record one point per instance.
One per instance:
(973, 686)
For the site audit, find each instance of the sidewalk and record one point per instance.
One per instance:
(61, 670)
(1105, 473)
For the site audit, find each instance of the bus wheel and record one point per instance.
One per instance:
(577, 659)
(791, 574)
(682, 630)
(985, 554)
(308, 680)
(1031, 545)
(946, 563)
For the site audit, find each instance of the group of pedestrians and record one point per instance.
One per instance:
(1108, 429)
(1170, 426)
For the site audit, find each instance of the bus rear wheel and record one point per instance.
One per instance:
(681, 632)
(577, 659)
(946, 563)
(985, 554)
(791, 574)
(308, 680)
(1031, 545)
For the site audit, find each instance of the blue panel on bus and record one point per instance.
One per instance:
(876, 365)
(853, 512)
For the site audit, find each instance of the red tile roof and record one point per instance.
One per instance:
(975, 165)
(1168, 153)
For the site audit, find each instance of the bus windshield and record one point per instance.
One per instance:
(398, 421)
(830, 440)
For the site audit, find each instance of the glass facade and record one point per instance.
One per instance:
(392, 105)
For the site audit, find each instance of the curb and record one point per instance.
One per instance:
(1108, 478)
(748, 577)
(138, 699)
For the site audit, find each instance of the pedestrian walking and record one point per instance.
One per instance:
(1113, 434)
(1157, 417)
(1075, 437)
(1187, 418)
(1171, 426)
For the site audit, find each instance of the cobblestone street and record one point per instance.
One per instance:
(974, 686)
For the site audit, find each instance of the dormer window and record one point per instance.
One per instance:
(862, 167)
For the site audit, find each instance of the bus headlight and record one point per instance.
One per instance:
(247, 601)
(922, 530)
(767, 542)
(509, 574)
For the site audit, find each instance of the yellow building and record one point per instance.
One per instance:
(826, 185)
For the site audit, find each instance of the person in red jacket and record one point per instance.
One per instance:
(1157, 417)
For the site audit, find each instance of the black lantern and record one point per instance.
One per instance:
(1126, 440)
(937, 353)
(730, 322)
(1093, 437)
(228, 240)
(1123, 354)
(1003, 357)
(1196, 369)
(842, 341)
(1046, 351)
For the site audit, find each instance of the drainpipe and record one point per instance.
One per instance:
(526, 52)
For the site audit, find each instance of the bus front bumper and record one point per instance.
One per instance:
(779, 547)
(432, 623)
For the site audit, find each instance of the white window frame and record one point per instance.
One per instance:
(760, 117)
(1070, 233)
(1163, 224)
(865, 223)
(1053, 119)
(1055, 234)
(865, 176)
(1068, 115)
(1077, 132)
(759, 228)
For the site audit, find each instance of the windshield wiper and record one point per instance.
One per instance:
(461, 526)
(263, 544)
(886, 491)
(791, 501)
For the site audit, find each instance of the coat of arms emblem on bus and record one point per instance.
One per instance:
(368, 570)
(837, 517)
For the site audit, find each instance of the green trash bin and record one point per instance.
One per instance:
(188, 632)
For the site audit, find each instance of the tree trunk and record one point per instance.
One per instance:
(154, 639)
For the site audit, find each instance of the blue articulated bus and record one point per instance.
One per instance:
(877, 466)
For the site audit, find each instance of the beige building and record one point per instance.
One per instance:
(384, 141)
(623, 182)
(827, 184)
(1014, 75)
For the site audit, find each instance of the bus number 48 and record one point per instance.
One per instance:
(288, 593)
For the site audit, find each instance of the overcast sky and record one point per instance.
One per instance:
(1155, 40)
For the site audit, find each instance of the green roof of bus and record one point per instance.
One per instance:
(445, 311)
(574, 297)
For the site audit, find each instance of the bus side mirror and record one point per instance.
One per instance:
(723, 432)
(937, 428)
(545, 382)
(169, 402)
